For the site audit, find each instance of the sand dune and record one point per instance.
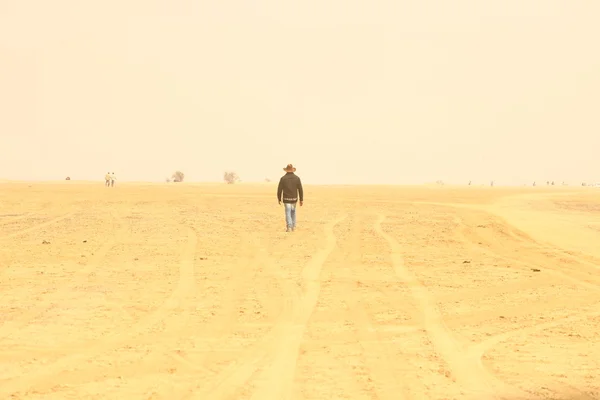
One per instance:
(196, 292)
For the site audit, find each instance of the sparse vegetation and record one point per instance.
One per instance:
(231, 177)
(178, 176)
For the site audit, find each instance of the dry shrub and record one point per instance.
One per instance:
(178, 176)
(231, 177)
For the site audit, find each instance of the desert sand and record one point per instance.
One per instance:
(195, 291)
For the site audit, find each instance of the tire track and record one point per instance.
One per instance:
(376, 353)
(12, 218)
(505, 288)
(279, 348)
(498, 251)
(236, 375)
(497, 242)
(44, 378)
(163, 355)
(469, 374)
(476, 352)
(252, 356)
(525, 260)
(40, 225)
(224, 322)
(515, 311)
(487, 246)
(276, 381)
(15, 325)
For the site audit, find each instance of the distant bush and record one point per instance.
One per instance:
(178, 176)
(231, 177)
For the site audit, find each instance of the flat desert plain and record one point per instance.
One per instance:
(195, 291)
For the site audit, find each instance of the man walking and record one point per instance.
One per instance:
(113, 178)
(107, 179)
(289, 190)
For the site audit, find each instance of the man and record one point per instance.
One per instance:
(289, 190)
(107, 179)
(113, 178)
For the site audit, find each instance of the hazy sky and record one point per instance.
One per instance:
(350, 91)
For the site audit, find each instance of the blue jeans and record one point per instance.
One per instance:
(290, 214)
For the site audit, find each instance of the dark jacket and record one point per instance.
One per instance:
(290, 186)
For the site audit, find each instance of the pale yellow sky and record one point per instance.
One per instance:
(349, 91)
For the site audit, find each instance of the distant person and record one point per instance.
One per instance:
(113, 178)
(107, 179)
(290, 191)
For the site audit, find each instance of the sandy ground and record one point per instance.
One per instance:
(186, 291)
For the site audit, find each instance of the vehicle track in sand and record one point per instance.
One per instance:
(495, 242)
(173, 313)
(275, 380)
(479, 349)
(486, 230)
(376, 352)
(493, 238)
(38, 226)
(476, 352)
(498, 244)
(469, 374)
(267, 383)
(194, 341)
(497, 236)
(8, 219)
(54, 294)
(279, 348)
(224, 320)
(228, 318)
(167, 350)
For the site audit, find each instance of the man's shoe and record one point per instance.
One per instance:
(287, 230)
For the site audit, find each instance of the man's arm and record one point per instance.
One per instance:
(300, 191)
(280, 190)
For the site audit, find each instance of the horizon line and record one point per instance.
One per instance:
(134, 182)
